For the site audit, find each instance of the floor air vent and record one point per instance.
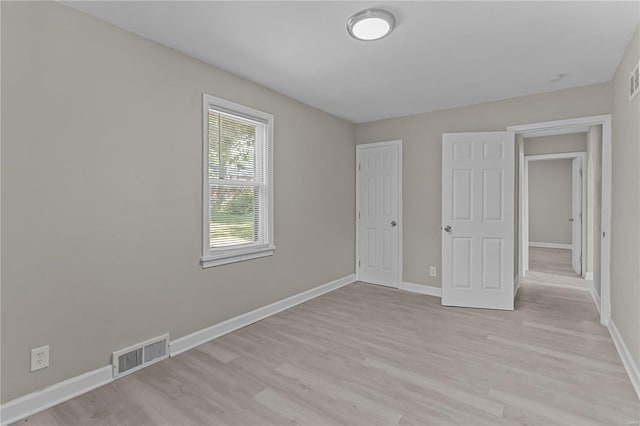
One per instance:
(138, 356)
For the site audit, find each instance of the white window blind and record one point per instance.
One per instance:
(238, 207)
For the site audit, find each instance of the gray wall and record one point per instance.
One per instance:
(422, 156)
(594, 202)
(101, 201)
(625, 230)
(550, 201)
(572, 142)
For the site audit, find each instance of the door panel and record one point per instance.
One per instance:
(492, 195)
(492, 263)
(378, 195)
(461, 257)
(477, 205)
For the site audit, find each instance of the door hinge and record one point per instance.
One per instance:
(580, 172)
(358, 263)
(358, 215)
(359, 166)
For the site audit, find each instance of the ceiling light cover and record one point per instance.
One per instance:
(371, 24)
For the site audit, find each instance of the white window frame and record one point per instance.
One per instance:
(224, 255)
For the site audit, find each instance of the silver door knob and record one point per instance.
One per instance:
(393, 223)
(447, 228)
(570, 219)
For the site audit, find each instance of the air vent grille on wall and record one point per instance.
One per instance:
(634, 82)
(138, 356)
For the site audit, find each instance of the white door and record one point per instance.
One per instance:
(576, 215)
(478, 219)
(378, 186)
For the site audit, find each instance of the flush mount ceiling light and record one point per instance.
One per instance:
(371, 24)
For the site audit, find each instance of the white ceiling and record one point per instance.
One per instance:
(441, 54)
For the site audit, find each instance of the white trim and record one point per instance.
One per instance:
(595, 296)
(555, 132)
(205, 335)
(35, 402)
(550, 245)
(523, 258)
(558, 156)
(605, 221)
(559, 125)
(421, 289)
(265, 247)
(625, 355)
(605, 224)
(380, 284)
(589, 277)
(359, 148)
(570, 286)
(236, 256)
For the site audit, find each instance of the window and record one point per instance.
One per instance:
(237, 184)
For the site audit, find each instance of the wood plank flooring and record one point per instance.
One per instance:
(551, 260)
(370, 355)
(553, 267)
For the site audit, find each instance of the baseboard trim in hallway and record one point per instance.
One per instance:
(55, 394)
(596, 297)
(550, 245)
(625, 355)
(40, 400)
(421, 289)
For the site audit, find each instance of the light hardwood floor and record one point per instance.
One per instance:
(551, 260)
(370, 355)
(553, 267)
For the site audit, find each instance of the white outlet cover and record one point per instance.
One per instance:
(433, 271)
(39, 358)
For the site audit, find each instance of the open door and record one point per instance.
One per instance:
(378, 234)
(478, 219)
(576, 215)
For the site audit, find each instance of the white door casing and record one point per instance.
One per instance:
(576, 215)
(576, 125)
(378, 213)
(478, 174)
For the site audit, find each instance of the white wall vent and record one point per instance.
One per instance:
(634, 82)
(138, 356)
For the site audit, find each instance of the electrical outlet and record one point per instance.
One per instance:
(433, 272)
(39, 358)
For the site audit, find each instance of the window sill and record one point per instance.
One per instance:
(236, 256)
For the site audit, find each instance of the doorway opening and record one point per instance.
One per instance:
(555, 213)
(590, 259)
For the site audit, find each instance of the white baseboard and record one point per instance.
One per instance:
(595, 296)
(205, 335)
(421, 289)
(625, 355)
(35, 402)
(550, 245)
